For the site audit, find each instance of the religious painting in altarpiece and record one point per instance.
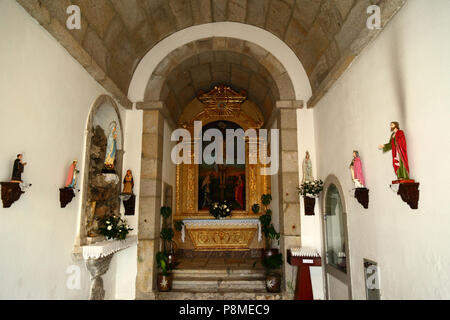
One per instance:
(198, 185)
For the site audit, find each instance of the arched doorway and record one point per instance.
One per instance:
(171, 100)
(335, 242)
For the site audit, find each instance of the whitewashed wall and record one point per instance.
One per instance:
(126, 261)
(46, 97)
(402, 76)
(311, 235)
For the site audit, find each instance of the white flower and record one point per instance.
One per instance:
(164, 283)
(270, 283)
(225, 206)
(228, 210)
(107, 222)
(109, 227)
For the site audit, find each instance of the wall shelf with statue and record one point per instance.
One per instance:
(127, 195)
(404, 186)
(13, 189)
(67, 193)
(361, 193)
(310, 188)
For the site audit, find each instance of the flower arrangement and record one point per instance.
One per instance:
(311, 188)
(114, 227)
(220, 209)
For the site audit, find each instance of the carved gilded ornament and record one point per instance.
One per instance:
(213, 239)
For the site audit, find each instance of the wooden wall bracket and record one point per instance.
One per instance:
(65, 196)
(409, 192)
(11, 192)
(129, 205)
(309, 205)
(362, 195)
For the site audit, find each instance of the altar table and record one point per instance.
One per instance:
(221, 234)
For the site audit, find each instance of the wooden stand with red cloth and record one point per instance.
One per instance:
(303, 258)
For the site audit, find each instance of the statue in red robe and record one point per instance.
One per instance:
(356, 170)
(397, 144)
(239, 192)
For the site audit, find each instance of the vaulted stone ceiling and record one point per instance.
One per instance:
(203, 71)
(326, 35)
(202, 64)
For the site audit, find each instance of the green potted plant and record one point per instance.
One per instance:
(310, 191)
(267, 228)
(165, 277)
(273, 277)
(167, 235)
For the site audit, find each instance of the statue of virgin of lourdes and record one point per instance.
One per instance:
(307, 169)
(111, 147)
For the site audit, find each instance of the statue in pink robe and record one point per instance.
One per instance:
(356, 169)
(72, 175)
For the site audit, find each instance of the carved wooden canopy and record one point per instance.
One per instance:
(223, 103)
(222, 100)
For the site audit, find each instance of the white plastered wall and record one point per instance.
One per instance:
(46, 97)
(126, 265)
(311, 232)
(402, 76)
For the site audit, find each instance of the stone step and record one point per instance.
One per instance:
(224, 295)
(208, 284)
(218, 273)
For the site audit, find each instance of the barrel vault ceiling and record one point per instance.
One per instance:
(326, 35)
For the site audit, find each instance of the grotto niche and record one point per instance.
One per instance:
(101, 190)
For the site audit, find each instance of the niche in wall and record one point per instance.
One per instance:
(100, 191)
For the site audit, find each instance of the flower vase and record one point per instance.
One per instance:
(309, 205)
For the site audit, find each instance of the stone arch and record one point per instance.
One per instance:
(99, 104)
(261, 38)
(203, 63)
(333, 180)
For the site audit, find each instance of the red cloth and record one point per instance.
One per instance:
(400, 149)
(239, 194)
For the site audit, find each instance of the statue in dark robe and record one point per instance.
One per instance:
(18, 169)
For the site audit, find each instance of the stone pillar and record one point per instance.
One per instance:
(150, 198)
(289, 180)
(97, 268)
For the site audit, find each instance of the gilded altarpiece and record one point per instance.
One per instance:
(221, 104)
